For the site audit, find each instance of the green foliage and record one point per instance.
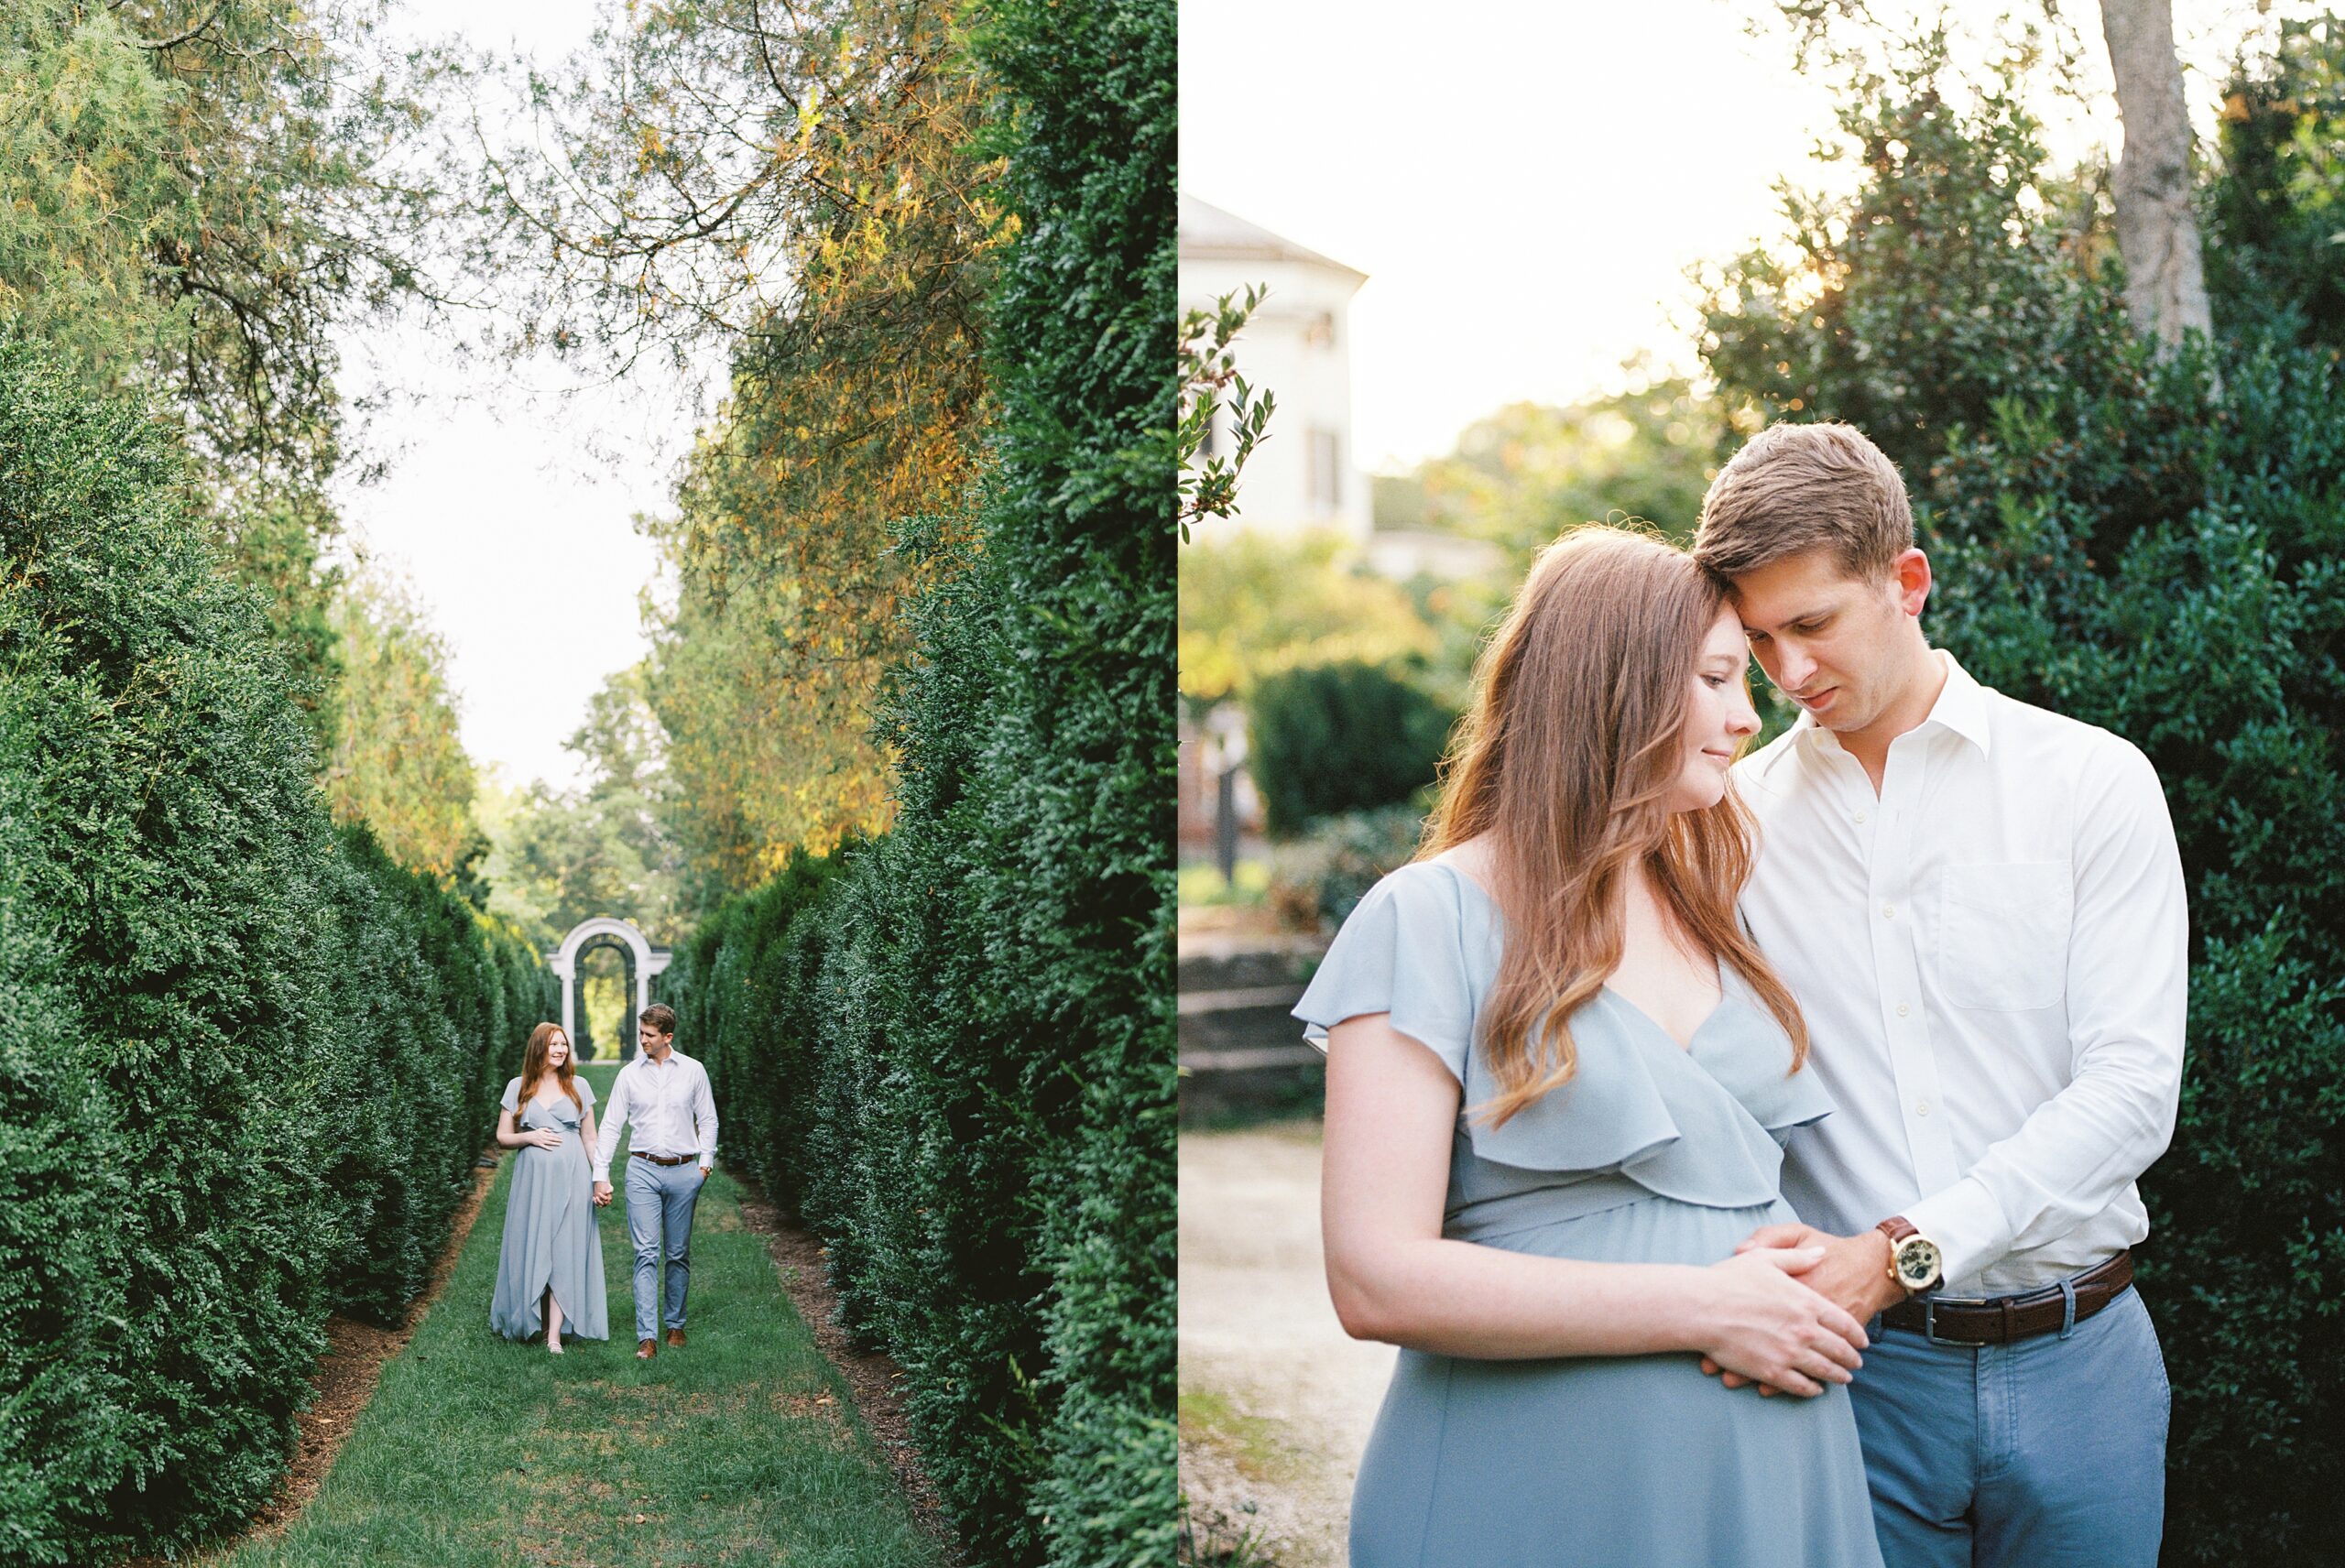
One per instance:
(398, 765)
(1209, 381)
(252, 1061)
(191, 200)
(755, 1018)
(2152, 551)
(989, 1148)
(2275, 222)
(613, 845)
(1252, 605)
(1528, 472)
(82, 194)
(1318, 879)
(1960, 273)
(1340, 737)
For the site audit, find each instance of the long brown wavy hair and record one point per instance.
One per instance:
(534, 1068)
(1563, 763)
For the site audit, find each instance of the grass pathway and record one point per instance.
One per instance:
(742, 1448)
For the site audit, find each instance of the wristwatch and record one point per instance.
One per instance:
(1915, 1262)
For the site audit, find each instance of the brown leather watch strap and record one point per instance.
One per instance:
(1999, 1320)
(1896, 1227)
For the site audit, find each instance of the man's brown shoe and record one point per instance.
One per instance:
(646, 1349)
(676, 1337)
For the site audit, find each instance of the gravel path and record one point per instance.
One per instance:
(1276, 1399)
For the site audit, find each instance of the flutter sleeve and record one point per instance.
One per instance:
(1402, 953)
(512, 1100)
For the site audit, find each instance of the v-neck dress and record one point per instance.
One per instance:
(1652, 1152)
(551, 1238)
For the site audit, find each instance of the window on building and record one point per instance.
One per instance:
(1326, 473)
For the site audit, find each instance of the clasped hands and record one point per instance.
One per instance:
(1785, 1340)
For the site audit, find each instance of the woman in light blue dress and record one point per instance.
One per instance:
(549, 1268)
(1558, 1078)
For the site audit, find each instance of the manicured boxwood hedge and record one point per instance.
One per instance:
(247, 1060)
(1332, 738)
(954, 1043)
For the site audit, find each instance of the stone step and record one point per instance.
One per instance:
(1245, 1020)
(1215, 963)
(1249, 1085)
(1251, 1059)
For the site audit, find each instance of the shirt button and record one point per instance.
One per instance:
(1861, 816)
(1888, 911)
(1902, 1010)
(1923, 1109)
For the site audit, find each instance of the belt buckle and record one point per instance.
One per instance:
(1930, 1319)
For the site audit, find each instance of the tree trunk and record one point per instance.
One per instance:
(2157, 232)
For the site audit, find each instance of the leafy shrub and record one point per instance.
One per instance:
(982, 999)
(248, 1063)
(2150, 551)
(753, 1014)
(1318, 880)
(1340, 737)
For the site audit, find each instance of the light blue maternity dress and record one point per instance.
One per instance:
(1651, 1153)
(551, 1238)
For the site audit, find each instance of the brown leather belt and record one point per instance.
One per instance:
(665, 1158)
(1999, 1320)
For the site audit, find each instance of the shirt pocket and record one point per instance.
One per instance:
(2004, 934)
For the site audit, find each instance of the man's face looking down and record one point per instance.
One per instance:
(1844, 648)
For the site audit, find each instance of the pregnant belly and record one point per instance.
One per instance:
(1650, 1229)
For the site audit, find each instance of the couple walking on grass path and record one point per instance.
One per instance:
(550, 1269)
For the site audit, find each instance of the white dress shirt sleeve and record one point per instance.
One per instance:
(2128, 976)
(705, 1119)
(607, 1131)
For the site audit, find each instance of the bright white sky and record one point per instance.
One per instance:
(1526, 184)
(511, 514)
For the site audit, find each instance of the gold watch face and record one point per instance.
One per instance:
(1917, 1263)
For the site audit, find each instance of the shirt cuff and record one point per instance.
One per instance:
(708, 1158)
(602, 1171)
(1968, 1225)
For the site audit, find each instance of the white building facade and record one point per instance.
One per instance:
(1304, 477)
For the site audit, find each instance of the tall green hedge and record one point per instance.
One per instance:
(1348, 736)
(957, 1045)
(248, 1062)
(2156, 550)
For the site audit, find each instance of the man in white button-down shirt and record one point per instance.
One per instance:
(1979, 906)
(665, 1094)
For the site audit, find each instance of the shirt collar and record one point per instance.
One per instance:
(1960, 709)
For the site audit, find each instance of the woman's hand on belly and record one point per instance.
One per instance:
(1763, 1322)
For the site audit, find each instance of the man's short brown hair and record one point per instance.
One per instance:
(1796, 488)
(658, 1017)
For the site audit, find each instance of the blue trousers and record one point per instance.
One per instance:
(2045, 1453)
(660, 1199)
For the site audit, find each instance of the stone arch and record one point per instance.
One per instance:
(644, 961)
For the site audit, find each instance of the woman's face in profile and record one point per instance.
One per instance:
(1718, 716)
(557, 1048)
